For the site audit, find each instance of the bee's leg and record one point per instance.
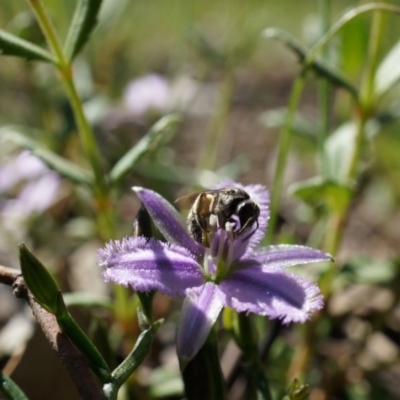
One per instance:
(221, 220)
(250, 234)
(196, 232)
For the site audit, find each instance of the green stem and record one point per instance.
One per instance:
(367, 89)
(137, 355)
(247, 340)
(323, 91)
(216, 129)
(283, 151)
(85, 346)
(336, 221)
(10, 389)
(202, 376)
(101, 192)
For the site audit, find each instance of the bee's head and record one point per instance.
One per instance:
(248, 212)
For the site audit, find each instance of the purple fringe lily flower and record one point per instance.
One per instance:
(232, 272)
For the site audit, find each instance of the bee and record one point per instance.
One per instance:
(228, 205)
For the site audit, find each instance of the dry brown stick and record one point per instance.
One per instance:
(72, 360)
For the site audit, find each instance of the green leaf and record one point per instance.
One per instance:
(388, 73)
(262, 385)
(318, 190)
(145, 312)
(137, 355)
(10, 389)
(339, 149)
(353, 46)
(297, 391)
(11, 45)
(64, 167)
(204, 367)
(83, 344)
(319, 67)
(362, 269)
(82, 25)
(145, 145)
(38, 280)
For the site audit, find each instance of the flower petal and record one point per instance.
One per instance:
(274, 293)
(199, 312)
(148, 264)
(168, 220)
(259, 194)
(283, 255)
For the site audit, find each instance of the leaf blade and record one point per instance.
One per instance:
(61, 165)
(11, 45)
(146, 144)
(82, 25)
(319, 67)
(388, 73)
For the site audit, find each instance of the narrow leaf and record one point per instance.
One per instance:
(84, 345)
(146, 144)
(298, 391)
(339, 150)
(388, 73)
(82, 25)
(317, 66)
(11, 45)
(64, 167)
(262, 385)
(205, 367)
(318, 190)
(10, 389)
(137, 355)
(38, 280)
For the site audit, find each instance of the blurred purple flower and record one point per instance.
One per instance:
(148, 93)
(24, 167)
(231, 272)
(38, 191)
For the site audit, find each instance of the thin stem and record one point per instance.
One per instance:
(202, 376)
(324, 91)
(217, 126)
(103, 203)
(76, 365)
(336, 221)
(49, 31)
(283, 151)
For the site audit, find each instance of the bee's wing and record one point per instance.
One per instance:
(188, 200)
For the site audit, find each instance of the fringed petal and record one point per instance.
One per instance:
(199, 312)
(148, 264)
(168, 220)
(276, 294)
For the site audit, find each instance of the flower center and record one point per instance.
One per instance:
(219, 256)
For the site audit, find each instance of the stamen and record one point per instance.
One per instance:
(221, 244)
(231, 239)
(213, 223)
(206, 262)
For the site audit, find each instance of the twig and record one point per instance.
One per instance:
(72, 360)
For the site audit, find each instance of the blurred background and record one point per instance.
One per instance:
(207, 61)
